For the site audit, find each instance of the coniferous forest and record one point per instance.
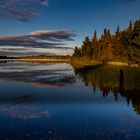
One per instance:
(122, 46)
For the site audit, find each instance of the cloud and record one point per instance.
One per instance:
(41, 39)
(21, 10)
(22, 51)
(53, 35)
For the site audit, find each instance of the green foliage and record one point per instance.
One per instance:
(123, 46)
(77, 52)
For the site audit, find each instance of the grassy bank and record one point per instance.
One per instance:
(82, 63)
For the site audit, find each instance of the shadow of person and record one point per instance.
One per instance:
(121, 82)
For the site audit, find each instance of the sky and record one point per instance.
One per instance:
(32, 27)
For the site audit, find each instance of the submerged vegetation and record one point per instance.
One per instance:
(123, 46)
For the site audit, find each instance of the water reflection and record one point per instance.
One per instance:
(121, 87)
(25, 112)
(113, 80)
(4, 61)
(41, 75)
(55, 101)
(124, 82)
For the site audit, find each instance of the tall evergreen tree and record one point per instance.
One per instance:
(94, 44)
(87, 48)
(77, 52)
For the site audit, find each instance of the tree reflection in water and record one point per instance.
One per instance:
(124, 81)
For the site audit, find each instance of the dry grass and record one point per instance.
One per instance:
(43, 60)
(81, 63)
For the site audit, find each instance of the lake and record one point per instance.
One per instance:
(42, 101)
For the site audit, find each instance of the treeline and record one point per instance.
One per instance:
(7, 57)
(37, 57)
(122, 46)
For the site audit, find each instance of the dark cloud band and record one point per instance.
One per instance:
(21, 10)
(42, 39)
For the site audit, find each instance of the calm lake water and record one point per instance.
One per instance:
(57, 102)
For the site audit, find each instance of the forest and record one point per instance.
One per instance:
(122, 46)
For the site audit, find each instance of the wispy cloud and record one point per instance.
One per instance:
(41, 39)
(22, 51)
(21, 10)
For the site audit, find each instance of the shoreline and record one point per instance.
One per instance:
(96, 63)
(53, 60)
(38, 60)
(122, 64)
(76, 65)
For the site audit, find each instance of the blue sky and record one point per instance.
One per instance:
(81, 17)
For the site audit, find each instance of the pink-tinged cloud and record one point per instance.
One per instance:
(49, 32)
(21, 10)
